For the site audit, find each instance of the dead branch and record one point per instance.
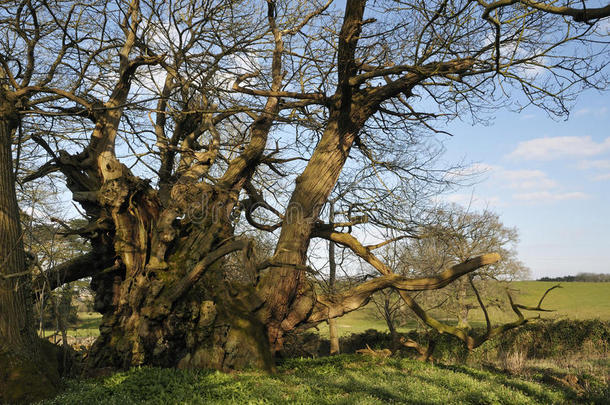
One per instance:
(339, 304)
(425, 353)
(538, 307)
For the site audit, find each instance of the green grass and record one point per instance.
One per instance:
(337, 380)
(349, 379)
(357, 322)
(87, 325)
(576, 300)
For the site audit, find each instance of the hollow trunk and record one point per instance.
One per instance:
(169, 300)
(26, 373)
(216, 321)
(219, 321)
(213, 326)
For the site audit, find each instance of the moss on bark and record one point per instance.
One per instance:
(29, 377)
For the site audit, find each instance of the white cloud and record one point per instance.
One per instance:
(527, 117)
(594, 164)
(547, 196)
(483, 167)
(558, 147)
(581, 112)
(514, 179)
(603, 27)
(473, 171)
(526, 179)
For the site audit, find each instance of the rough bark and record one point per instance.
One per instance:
(165, 297)
(178, 309)
(26, 372)
(152, 298)
(167, 300)
(15, 327)
(287, 295)
(288, 298)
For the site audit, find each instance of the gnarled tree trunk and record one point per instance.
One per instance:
(167, 300)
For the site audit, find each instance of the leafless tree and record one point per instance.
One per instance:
(454, 236)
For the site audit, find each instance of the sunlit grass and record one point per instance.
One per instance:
(348, 379)
(87, 326)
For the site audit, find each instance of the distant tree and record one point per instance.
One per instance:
(457, 235)
(584, 277)
(49, 241)
(388, 304)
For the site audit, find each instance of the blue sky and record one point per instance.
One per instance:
(548, 178)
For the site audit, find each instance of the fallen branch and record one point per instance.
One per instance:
(383, 353)
(350, 300)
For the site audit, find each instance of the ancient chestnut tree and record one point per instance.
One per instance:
(180, 127)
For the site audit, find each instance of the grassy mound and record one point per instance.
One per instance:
(344, 379)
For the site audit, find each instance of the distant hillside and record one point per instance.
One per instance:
(588, 277)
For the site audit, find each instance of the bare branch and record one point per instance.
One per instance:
(358, 296)
(579, 15)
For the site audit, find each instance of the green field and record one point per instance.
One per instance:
(574, 300)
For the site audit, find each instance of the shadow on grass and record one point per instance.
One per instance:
(336, 380)
(439, 387)
(510, 381)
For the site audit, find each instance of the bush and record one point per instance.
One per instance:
(547, 339)
(539, 340)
